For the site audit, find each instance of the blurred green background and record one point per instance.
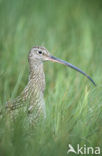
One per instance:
(70, 30)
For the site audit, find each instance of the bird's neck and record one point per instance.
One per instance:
(37, 76)
(35, 87)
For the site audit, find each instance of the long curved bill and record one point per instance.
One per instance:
(55, 59)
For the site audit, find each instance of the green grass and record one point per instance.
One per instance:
(70, 30)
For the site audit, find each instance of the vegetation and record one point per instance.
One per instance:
(70, 30)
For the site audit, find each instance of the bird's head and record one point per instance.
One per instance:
(39, 54)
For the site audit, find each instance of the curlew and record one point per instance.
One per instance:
(33, 94)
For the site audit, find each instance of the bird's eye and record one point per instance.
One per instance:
(40, 52)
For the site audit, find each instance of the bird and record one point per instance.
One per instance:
(33, 93)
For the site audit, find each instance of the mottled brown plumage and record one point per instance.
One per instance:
(33, 94)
